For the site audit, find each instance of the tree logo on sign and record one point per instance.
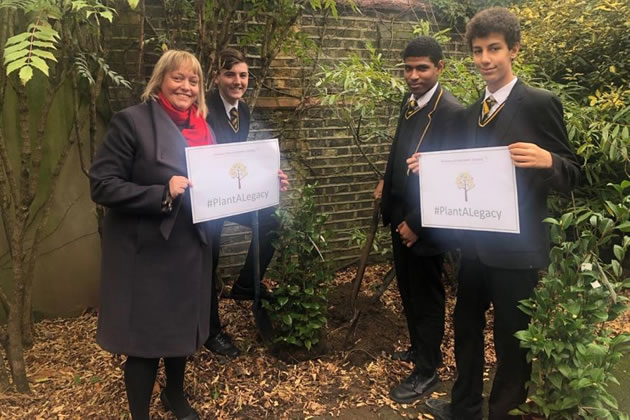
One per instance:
(238, 171)
(466, 182)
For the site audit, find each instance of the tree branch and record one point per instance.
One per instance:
(356, 136)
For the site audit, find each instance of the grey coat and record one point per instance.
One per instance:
(156, 267)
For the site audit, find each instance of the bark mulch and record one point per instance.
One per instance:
(72, 378)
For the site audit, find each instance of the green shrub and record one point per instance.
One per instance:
(571, 349)
(583, 40)
(300, 301)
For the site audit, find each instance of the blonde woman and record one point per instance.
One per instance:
(156, 266)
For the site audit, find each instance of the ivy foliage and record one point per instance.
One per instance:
(299, 308)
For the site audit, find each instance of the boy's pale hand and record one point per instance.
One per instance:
(407, 236)
(530, 155)
(378, 191)
(284, 180)
(412, 163)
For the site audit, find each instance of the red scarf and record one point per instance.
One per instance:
(195, 129)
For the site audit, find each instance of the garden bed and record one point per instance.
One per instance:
(71, 377)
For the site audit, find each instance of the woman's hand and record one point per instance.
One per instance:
(413, 165)
(284, 180)
(177, 185)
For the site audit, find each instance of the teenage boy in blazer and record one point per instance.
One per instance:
(503, 268)
(229, 117)
(427, 114)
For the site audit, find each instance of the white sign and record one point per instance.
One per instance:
(473, 189)
(233, 178)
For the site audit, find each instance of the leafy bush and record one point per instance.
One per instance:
(364, 94)
(579, 50)
(300, 302)
(381, 245)
(583, 40)
(571, 349)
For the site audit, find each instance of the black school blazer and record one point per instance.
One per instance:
(535, 116)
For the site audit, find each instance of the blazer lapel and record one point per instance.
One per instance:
(471, 124)
(427, 138)
(507, 114)
(169, 143)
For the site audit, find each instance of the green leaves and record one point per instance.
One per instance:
(86, 64)
(571, 350)
(30, 50)
(299, 308)
(96, 10)
(583, 40)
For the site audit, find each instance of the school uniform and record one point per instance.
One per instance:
(219, 116)
(422, 128)
(502, 268)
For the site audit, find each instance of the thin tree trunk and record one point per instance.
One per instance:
(30, 254)
(27, 318)
(365, 254)
(4, 375)
(15, 349)
(140, 69)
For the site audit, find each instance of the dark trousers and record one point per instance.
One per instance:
(266, 223)
(422, 294)
(478, 286)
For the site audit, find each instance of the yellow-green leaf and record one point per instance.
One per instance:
(16, 47)
(18, 38)
(39, 64)
(43, 44)
(11, 67)
(14, 55)
(26, 73)
(133, 4)
(44, 54)
(108, 15)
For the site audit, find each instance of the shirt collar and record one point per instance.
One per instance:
(426, 97)
(501, 94)
(228, 106)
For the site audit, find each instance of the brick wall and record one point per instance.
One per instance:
(315, 145)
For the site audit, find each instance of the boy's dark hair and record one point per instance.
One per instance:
(424, 46)
(494, 20)
(229, 57)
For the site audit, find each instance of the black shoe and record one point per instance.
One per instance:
(413, 388)
(439, 409)
(239, 292)
(192, 414)
(408, 355)
(222, 344)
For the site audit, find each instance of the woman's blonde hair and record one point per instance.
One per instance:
(171, 60)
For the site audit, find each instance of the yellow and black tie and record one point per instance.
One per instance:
(412, 107)
(486, 106)
(234, 119)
